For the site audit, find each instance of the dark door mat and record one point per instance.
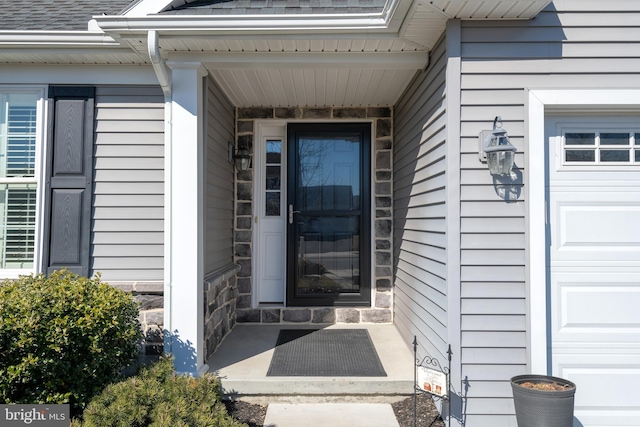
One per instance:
(325, 353)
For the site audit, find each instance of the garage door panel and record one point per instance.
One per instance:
(595, 226)
(598, 377)
(596, 307)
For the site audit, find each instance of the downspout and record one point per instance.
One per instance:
(163, 75)
(153, 45)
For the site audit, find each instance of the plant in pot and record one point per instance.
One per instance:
(543, 400)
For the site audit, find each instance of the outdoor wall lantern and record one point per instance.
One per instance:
(242, 159)
(496, 150)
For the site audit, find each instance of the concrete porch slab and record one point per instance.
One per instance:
(242, 361)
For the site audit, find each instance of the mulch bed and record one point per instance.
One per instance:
(248, 413)
(253, 415)
(427, 414)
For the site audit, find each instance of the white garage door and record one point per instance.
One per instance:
(594, 263)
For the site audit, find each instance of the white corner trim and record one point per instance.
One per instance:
(540, 102)
(453, 128)
(536, 235)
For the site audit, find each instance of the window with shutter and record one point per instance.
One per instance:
(19, 134)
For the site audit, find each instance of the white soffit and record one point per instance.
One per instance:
(487, 9)
(318, 86)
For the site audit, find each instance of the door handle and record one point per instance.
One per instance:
(291, 212)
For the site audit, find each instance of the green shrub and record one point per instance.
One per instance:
(158, 397)
(63, 338)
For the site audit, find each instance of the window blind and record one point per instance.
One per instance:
(17, 197)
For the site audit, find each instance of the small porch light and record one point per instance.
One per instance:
(496, 150)
(242, 159)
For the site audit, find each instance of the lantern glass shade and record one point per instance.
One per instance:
(499, 152)
(500, 162)
(242, 160)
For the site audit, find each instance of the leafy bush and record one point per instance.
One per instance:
(159, 397)
(63, 338)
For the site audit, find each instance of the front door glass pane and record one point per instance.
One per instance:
(328, 224)
(327, 214)
(328, 255)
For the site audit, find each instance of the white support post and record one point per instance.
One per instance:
(184, 303)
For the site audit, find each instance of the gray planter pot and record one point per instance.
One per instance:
(541, 408)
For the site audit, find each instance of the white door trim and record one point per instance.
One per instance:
(539, 102)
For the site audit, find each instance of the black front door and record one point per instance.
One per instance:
(328, 217)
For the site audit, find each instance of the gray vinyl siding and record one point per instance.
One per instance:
(420, 211)
(219, 125)
(128, 202)
(571, 44)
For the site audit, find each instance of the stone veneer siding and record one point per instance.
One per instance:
(220, 295)
(380, 311)
(150, 298)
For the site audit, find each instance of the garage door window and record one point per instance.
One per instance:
(589, 148)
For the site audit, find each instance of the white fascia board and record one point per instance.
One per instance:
(333, 60)
(56, 39)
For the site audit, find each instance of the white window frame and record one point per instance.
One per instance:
(38, 177)
(539, 103)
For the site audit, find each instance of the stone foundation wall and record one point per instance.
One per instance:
(150, 297)
(220, 294)
(382, 300)
(315, 315)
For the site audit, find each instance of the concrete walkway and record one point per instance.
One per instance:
(330, 415)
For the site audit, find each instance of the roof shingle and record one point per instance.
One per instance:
(284, 7)
(63, 15)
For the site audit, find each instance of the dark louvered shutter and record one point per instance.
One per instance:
(69, 178)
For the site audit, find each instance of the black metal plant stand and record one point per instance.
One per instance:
(430, 362)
